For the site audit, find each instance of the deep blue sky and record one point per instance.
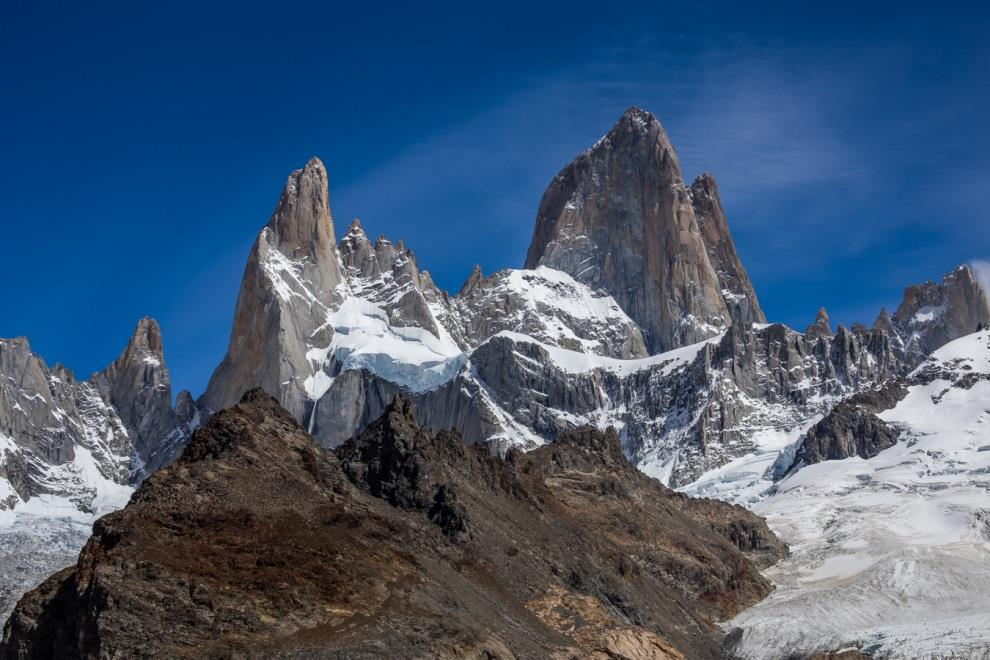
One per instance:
(142, 146)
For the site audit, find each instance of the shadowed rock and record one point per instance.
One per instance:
(258, 543)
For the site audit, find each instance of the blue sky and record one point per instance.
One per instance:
(144, 147)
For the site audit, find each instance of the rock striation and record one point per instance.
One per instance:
(256, 542)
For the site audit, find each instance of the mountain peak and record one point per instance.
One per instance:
(620, 218)
(638, 118)
(301, 225)
(821, 327)
(934, 313)
(289, 282)
(637, 130)
(473, 280)
(147, 336)
(704, 181)
(736, 287)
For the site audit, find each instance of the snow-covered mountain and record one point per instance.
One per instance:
(633, 312)
(71, 450)
(889, 553)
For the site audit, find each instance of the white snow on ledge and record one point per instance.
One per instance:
(579, 363)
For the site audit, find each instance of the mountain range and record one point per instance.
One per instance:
(633, 313)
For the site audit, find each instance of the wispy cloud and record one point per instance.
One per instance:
(982, 269)
(820, 196)
(736, 114)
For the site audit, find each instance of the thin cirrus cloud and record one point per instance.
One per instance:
(982, 269)
(758, 130)
(838, 189)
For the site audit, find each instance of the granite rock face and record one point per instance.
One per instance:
(137, 384)
(256, 542)
(620, 218)
(289, 284)
(740, 297)
(71, 450)
(53, 426)
(822, 327)
(934, 313)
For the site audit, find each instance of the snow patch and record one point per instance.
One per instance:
(575, 362)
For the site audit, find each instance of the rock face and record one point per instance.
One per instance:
(257, 542)
(621, 218)
(53, 425)
(738, 291)
(933, 314)
(289, 285)
(137, 384)
(71, 450)
(822, 327)
(386, 275)
(852, 427)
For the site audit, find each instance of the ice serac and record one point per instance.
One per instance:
(934, 313)
(737, 289)
(289, 285)
(620, 218)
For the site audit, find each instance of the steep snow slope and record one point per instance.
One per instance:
(549, 306)
(891, 553)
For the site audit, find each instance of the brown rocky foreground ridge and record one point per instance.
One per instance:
(401, 543)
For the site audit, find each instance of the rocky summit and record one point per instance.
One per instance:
(621, 218)
(402, 543)
(487, 471)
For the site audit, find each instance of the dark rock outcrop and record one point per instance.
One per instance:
(847, 430)
(258, 543)
(852, 427)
